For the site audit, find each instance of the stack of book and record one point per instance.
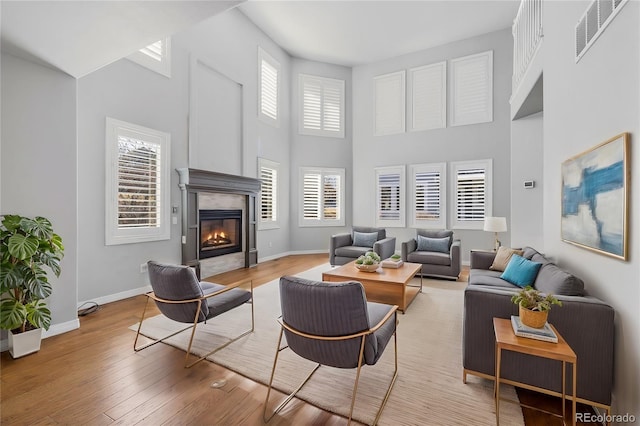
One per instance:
(392, 263)
(545, 333)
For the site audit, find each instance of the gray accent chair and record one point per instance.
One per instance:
(181, 297)
(434, 263)
(332, 324)
(342, 250)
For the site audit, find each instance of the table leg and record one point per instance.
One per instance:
(496, 384)
(573, 403)
(564, 390)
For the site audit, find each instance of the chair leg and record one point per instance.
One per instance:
(135, 342)
(291, 395)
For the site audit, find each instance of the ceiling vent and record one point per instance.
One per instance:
(593, 23)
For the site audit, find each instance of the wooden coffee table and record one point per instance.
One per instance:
(386, 285)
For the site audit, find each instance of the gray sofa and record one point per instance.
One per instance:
(343, 248)
(585, 322)
(435, 263)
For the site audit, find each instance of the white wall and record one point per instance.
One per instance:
(526, 164)
(471, 142)
(318, 151)
(586, 103)
(39, 174)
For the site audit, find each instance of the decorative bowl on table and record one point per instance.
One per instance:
(368, 262)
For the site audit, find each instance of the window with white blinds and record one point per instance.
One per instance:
(472, 189)
(428, 97)
(322, 195)
(390, 196)
(137, 183)
(321, 106)
(428, 195)
(472, 89)
(269, 83)
(156, 57)
(268, 174)
(389, 103)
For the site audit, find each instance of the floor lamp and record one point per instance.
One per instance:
(495, 225)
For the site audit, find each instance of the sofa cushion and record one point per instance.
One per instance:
(553, 280)
(529, 252)
(485, 277)
(434, 233)
(433, 244)
(520, 271)
(429, 257)
(502, 258)
(364, 239)
(351, 251)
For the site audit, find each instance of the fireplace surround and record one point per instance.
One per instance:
(197, 185)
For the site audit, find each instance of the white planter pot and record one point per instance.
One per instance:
(26, 343)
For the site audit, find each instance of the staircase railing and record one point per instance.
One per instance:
(527, 34)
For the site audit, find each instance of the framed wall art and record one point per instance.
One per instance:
(595, 191)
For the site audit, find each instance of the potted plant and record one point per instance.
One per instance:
(368, 262)
(534, 306)
(28, 247)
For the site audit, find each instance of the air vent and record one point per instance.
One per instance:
(593, 23)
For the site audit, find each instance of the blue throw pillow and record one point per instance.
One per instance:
(433, 244)
(520, 271)
(364, 239)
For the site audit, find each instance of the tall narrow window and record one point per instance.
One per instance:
(322, 195)
(269, 84)
(473, 194)
(428, 96)
(390, 196)
(321, 106)
(137, 183)
(268, 172)
(472, 89)
(156, 57)
(389, 103)
(428, 196)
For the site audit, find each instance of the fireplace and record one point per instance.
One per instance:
(220, 232)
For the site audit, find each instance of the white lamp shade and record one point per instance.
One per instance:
(495, 224)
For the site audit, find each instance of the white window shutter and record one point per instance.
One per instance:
(472, 189)
(269, 72)
(321, 106)
(428, 191)
(429, 97)
(312, 196)
(389, 104)
(322, 195)
(268, 172)
(390, 196)
(472, 89)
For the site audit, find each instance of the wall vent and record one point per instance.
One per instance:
(593, 23)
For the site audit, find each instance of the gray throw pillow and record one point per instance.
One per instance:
(364, 239)
(433, 244)
(553, 280)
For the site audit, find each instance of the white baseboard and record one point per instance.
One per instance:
(54, 330)
(117, 296)
(290, 253)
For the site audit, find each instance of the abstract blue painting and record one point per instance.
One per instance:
(594, 198)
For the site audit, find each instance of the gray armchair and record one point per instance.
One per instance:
(181, 297)
(332, 324)
(343, 248)
(437, 251)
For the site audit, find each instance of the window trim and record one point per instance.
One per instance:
(456, 166)
(323, 171)
(272, 223)
(162, 66)
(266, 57)
(113, 234)
(391, 223)
(323, 82)
(441, 222)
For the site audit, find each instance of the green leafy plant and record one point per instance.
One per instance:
(396, 257)
(534, 300)
(28, 247)
(369, 258)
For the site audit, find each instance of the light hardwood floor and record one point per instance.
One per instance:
(92, 376)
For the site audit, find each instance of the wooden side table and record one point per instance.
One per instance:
(561, 351)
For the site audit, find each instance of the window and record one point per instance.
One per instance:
(268, 172)
(472, 183)
(389, 103)
(428, 196)
(269, 84)
(322, 195)
(472, 89)
(428, 97)
(390, 196)
(137, 183)
(156, 57)
(321, 106)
